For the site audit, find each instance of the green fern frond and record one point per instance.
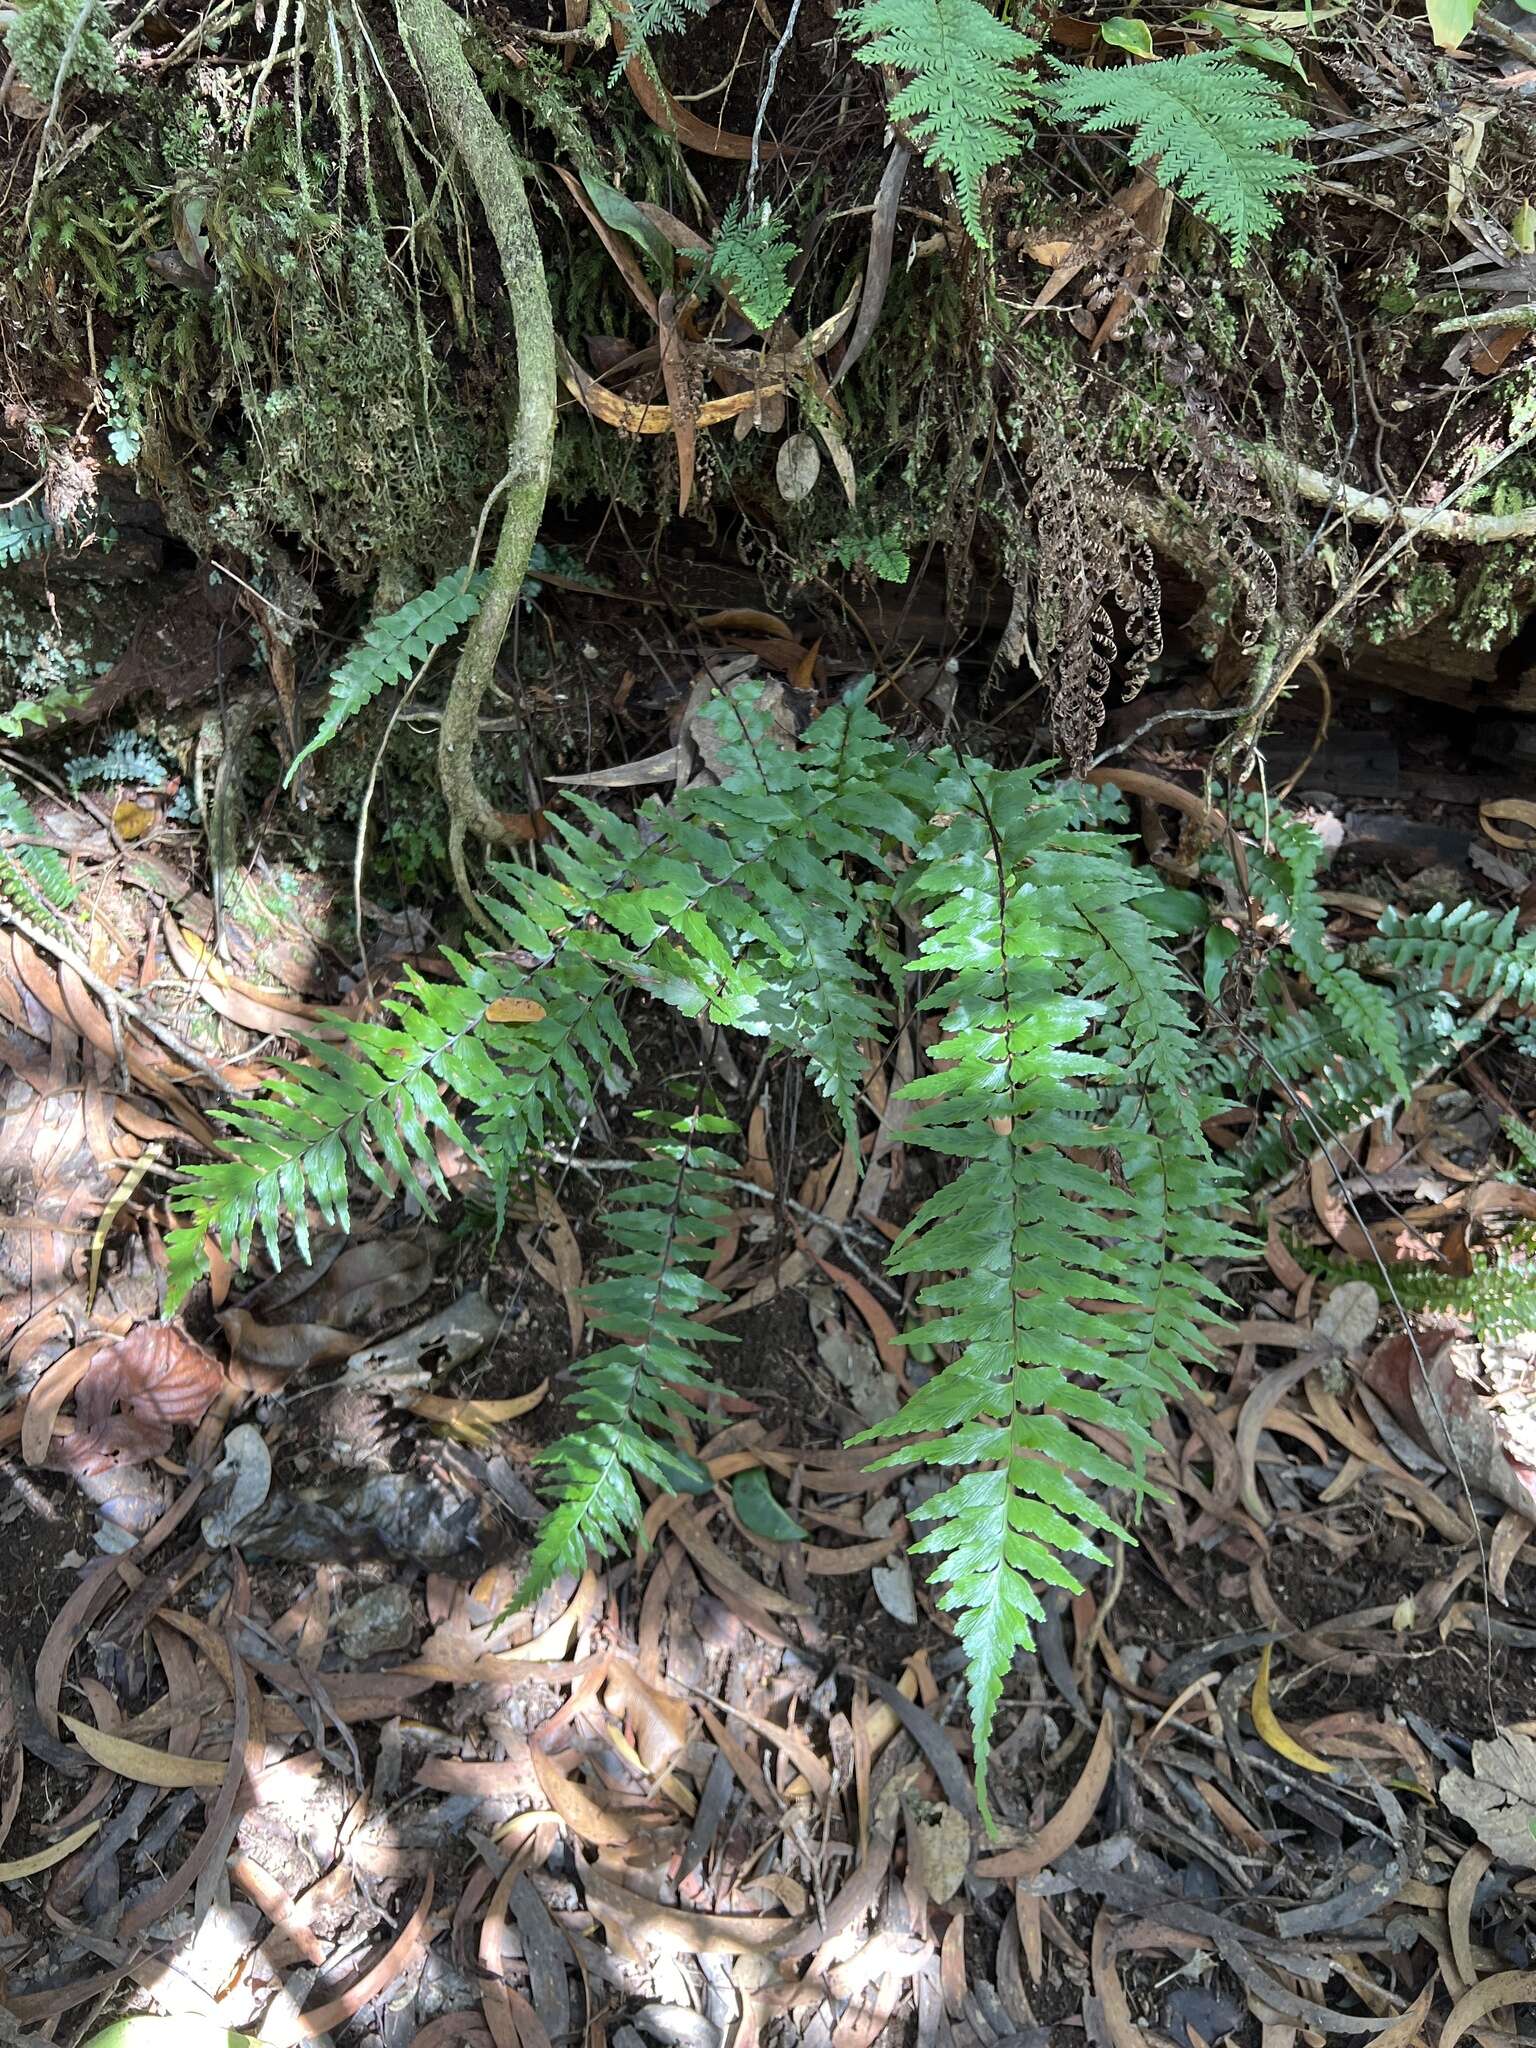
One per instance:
(1522, 1137)
(1498, 1296)
(33, 879)
(24, 531)
(631, 1393)
(966, 97)
(390, 648)
(1479, 951)
(1215, 126)
(1283, 865)
(751, 258)
(1031, 1085)
(372, 1103)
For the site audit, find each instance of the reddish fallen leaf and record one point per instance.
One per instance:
(134, 1392)
(1445, 1393)
(1067, 1823)
(391, 1966)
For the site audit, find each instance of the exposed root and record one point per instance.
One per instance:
(432, 34)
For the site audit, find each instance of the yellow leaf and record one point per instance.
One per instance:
(131, 820)
(1272, 1733)
(145, 1766)
(29, 1866)
(514, 1010)
(473, 1422)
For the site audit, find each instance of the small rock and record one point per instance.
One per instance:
(381, 1620)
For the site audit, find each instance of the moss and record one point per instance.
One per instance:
(1425, 592)
(38, 38)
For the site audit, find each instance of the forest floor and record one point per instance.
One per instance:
(327, 1779)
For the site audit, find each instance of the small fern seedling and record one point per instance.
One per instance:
(751, 259)
(390, 648)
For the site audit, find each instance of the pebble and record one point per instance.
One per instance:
(380, 1620)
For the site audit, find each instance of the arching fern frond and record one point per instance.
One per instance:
(630, 1394)
(1479, 952)
(1215, 125)
(390, 648)
(966, 96)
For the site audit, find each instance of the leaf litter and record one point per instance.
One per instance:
(291, 1760)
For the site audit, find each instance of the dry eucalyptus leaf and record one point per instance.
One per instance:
(1498, 1801)
(797, 468)
(939, 1841)
(1349, 1316)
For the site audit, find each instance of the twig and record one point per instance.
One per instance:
(762, 106)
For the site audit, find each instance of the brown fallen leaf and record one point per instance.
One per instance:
(580, 1812)
(1067, 1823)
(285, 1347)
(141, 1764)
(639, 1920)
(133, 1393)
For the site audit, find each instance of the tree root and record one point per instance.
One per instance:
(1432, 522)
(433, 37)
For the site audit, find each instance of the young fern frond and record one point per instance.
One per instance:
(1215, 125)
(630, 1394)
(390, 648)
(966, 95)
(1283, 866)
(751, 258)
(1050, 1313)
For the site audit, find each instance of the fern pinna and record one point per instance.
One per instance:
(1063, 1254)
(629, 1395)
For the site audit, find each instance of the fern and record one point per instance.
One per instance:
(751, 258)
(1067, 1086)
(33, 879)
(966, 96)
(1522, 1137)
(1216, 126)
(23, 532)
(127, 759)
(389, 650)
(1282, 872)
(669, 1219)
(1478, 951)
(1047, 1063)
(1498, 1296)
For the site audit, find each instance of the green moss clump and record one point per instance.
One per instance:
(38, 37)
